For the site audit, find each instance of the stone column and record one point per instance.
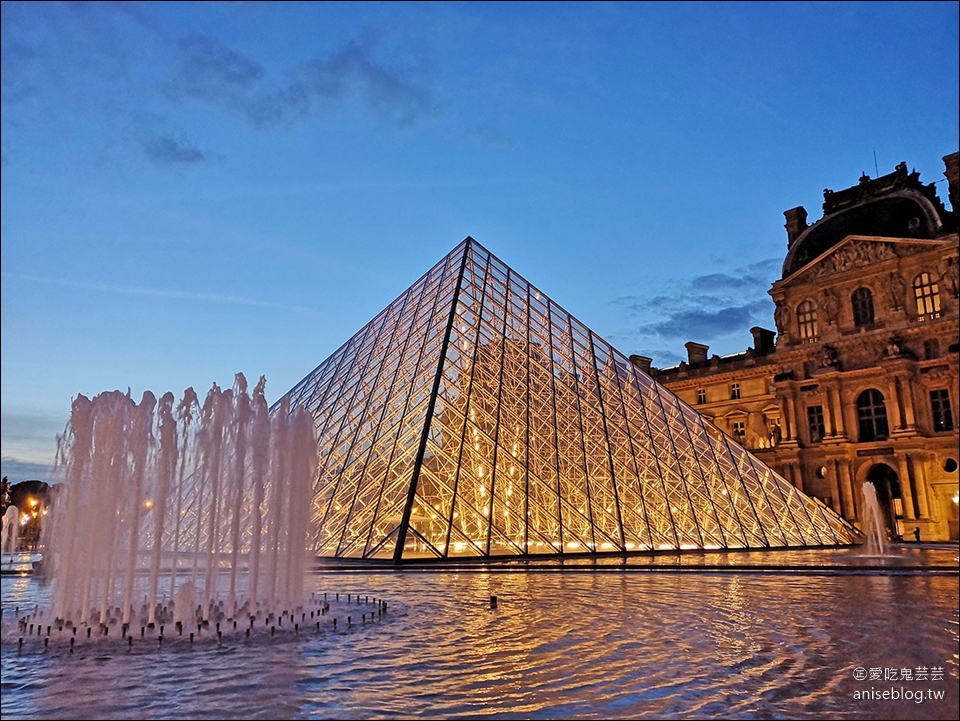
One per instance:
(906, 399)
(835, 411)
(846, 485)
(790, 417)
(848, 411)
(828, 424)
(906, 490)
(920, 479)
(835, 492)
(893, 404)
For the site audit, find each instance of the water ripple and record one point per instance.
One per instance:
(558, 645)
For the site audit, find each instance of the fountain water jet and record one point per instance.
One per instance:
(215, 495)
(873, 524)
(11, 532)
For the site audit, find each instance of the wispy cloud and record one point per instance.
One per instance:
(223, 76)
(708, 323)
(705, 308)
(159, 293)
(165, 150)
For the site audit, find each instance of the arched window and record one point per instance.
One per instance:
(872, 416)
(862, 301)
(927, 295)
(807, 320)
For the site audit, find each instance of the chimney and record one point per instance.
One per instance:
(642, 362)
(763, 340)
(796, 223)
(950, 162)
(696, 352)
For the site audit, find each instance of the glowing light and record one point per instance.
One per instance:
(148, 503)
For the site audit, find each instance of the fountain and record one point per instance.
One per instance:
(11, 531)
(180, 513)
(873, 526)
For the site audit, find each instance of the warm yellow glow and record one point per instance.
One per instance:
(148, 503)
(32, 502)
(606, 546)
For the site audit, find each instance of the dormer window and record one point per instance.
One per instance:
(927, 294)
(862, 302)
(807, 321)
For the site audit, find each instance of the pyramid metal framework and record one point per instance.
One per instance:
(474, 417)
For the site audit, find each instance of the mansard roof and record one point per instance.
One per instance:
(896, 205)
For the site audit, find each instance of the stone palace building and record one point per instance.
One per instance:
(859, 382)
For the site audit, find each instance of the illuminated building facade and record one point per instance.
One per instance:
(475, 418)
(861, 384)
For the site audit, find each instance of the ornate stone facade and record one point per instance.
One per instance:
(862, 383)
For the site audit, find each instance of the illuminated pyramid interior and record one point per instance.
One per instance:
(475, 418)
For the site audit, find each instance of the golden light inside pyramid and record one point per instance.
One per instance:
(475, 417)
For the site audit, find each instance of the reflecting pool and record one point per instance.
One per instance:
(796, 640)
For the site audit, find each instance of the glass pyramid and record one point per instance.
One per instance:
(474, 417)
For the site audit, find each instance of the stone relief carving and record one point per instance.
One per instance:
(781, 316)
(830, 358)
(829, 304)
(855, 255)
(896, 289)
(948, 277)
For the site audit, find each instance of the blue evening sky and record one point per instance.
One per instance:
(192, 190)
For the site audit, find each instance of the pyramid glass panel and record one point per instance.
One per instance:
(475, 418)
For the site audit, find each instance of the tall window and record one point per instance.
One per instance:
(734, 391)
(940, 406)
(927, 295)
(815, 423)
(862, 301)
(701, 395)
(872, 416)
(807, 320)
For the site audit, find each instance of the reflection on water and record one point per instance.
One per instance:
(560, 644)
